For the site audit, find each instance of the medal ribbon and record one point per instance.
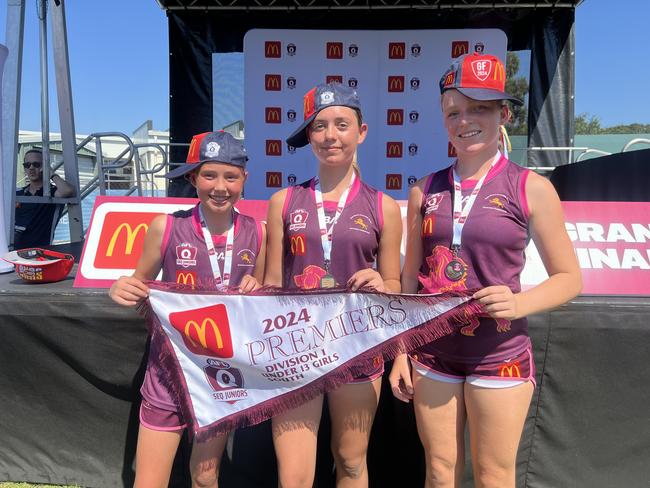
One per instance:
(326, 233)
(212, 253)
(461, 212)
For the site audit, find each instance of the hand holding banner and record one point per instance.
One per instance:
(234, 360)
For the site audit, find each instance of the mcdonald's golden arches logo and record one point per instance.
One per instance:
(205, 331)
(510, 370)
(122, 239)
(334, 50)
(393, 181)
(186, 278)
(334, 79)
(395, 84)
(395, 116)
(396, 50)
(394, 149)
(458, 48)
(272, 49)
(499, 72)
(273, 147)
(273, 179)
(273, 115)
(298, 245)
(273, 82)
(427, 226)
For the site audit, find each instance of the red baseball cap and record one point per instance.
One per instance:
(37, 265)
(479, 77)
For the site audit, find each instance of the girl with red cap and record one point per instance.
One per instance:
(332, 231)
(468, 226)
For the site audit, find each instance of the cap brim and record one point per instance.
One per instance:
(13, 258)
(183, 169)
(485, 94)
(299, 136)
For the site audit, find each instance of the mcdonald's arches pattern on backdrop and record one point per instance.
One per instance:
(396, 74)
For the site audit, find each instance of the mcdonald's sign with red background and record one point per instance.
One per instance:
(273, 179)
(395, 116)
(394, 149)
(273, 147)
(334, 79)
(458, 48)
(124, 246)
(272, 49)
(393, 181)
(396, 50)
(205, 331)
(334, 50)
(273, 82)
(395, 84)
(273, 115)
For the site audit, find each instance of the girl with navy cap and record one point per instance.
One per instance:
(211, 245)
(332, 231)
(468, 226)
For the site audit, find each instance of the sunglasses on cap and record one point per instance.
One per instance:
(35, 164)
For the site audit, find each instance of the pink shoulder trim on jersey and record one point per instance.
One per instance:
(523, 199)
(258, 224)
(380, 209)
(287, 198)
(166, 234)
(427, 187)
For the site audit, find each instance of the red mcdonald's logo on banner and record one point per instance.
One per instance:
(427, 226)
(334, 50)
(273, 179)
(393, 181)
(395, 116)
(458, 48)
(272, 49)
(451, 150)
(334, 79)
(395, 83)
(511, 370)
(205, 331)
(298, 245)
(122, 239)
(186, 278)
(273, 115)
(396, 50)
(273, 147)
(394, 149)
(273, 82)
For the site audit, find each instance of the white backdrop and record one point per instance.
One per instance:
(298, 60)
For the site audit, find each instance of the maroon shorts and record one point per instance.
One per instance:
(157, 418)
(499, 373)
(370, 373)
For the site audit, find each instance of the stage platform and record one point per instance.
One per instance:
(71, 364)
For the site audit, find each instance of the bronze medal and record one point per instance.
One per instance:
(327, 281)
(455, 270)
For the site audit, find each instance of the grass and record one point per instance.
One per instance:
(10, 484)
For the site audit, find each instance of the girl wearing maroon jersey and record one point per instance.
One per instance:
(332, 230)
(468, 226)
(215, 245)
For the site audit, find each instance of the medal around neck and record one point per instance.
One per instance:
(327, 281)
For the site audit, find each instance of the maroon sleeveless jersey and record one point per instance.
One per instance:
(355, 238)
(493, 242)
(185, 260)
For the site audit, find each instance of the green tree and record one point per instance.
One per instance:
(517, 86)
(588, 124)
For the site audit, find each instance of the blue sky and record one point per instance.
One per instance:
(119, 63)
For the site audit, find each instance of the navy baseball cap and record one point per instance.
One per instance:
(318, 98)
(215, 147)
(479, 77)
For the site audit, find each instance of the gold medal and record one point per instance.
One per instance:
(455, 270)
(327, 281)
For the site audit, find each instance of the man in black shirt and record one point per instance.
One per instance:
(35, 222)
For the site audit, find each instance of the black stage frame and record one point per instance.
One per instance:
(72, 363)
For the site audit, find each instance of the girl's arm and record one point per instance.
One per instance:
(275, 240)
(400, 374)
(129, 290)
(555, 248)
